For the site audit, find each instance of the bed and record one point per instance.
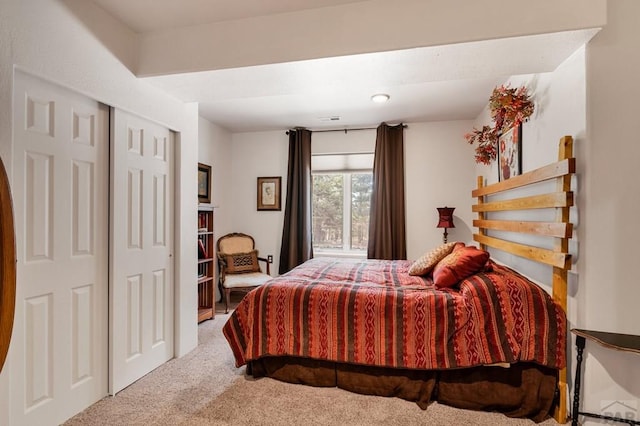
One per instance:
(477, 336)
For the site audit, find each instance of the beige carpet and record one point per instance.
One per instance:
(205, 388)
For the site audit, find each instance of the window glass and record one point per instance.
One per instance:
(328, 211)
(360, 203)
(341, 203)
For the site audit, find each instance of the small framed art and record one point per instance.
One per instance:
(510, 153)
(269, 193)
(204, 183)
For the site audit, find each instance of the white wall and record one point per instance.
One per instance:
(355, 141)
(559, 99)
(609, 206)
(44, 38)
(258, 154)
(215, 150)
(439, 170)
(430, 181)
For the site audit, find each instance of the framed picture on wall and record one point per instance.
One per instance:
(269, 193)
(204, 183)
(510, 153)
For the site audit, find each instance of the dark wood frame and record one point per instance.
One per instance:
(204, 183)
(277, 183)
(505, 139)
(7, 265)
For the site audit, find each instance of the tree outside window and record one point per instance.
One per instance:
(341, 203)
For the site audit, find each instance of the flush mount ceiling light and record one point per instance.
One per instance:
(380, 98)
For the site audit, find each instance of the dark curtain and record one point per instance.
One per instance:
(296, 234)
(387, 238)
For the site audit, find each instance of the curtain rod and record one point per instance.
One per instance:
(404, 126)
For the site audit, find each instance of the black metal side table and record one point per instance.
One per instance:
(621, 342)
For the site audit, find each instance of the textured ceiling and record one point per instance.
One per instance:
(425, 84)
(152, 15)
(438, 83)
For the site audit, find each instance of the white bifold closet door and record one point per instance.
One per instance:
(58, 357)
(141, 264)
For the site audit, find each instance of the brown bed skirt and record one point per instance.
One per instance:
(522, 390)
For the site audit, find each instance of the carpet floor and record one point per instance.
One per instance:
(205, 388)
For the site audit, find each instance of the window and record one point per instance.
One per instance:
(341, 202)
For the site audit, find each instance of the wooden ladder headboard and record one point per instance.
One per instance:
(560, 230)
(7, 265)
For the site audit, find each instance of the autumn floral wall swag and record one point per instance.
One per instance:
(509, 108)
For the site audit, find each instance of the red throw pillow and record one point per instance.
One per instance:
(460, 264)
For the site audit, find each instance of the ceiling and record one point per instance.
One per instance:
(144, 16)
(450, 82)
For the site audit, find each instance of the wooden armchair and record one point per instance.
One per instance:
(239, 268)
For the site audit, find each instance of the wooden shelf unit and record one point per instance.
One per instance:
(206, 265)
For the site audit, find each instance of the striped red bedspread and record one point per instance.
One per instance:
(373, 312)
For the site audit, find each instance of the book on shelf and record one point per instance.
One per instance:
(203, 222)
(202, 251)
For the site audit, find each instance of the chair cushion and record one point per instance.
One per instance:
(252, 279)
(240, 263)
